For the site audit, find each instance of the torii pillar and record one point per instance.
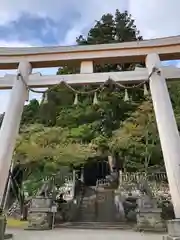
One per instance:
(11, 122)
(169, 135)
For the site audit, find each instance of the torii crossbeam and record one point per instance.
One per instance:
(36, 80)
(86, 56)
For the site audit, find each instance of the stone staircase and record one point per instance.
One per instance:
(97, 205)
(87, 208)
(97, 225)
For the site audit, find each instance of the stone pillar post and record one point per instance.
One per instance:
(167, 127)
(168, 132)
(10, 126)
(86, 67)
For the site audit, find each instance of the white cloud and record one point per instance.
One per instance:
(4, 99)
(156, 18)
(4, 43)
(88, 9)
(153, 18)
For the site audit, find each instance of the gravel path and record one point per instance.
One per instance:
(69, 234)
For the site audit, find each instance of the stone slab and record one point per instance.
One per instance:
(8, 236)
(170, 238)
(150, 220)
(40, 210)
(79, 234)
(149, 210)
(173, 227)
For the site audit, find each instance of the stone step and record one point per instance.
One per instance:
(96, 225)
(87, 212)
(87, 209)
(86, 217)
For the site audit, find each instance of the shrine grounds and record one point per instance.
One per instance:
(71, 234)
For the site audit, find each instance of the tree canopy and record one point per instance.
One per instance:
(59, 133)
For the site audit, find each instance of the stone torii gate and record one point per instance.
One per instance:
(86, 56)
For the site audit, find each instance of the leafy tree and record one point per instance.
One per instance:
(84, 123)
(137, 140)
(30, 113)
(112, 29)
(58, 133)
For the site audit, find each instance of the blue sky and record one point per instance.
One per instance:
(57, 22)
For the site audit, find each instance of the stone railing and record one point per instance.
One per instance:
(157, 183)
(102, 183)
(137, 176)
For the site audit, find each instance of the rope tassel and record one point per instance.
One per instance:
(95, 99)
(146, 93)
(76, 99)
(126, 96)
(44, 98)
(27, 96)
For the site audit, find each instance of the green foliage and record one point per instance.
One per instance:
(138, 138)
(112, 29)
(51, 146)
(58, 133)
(31, 112)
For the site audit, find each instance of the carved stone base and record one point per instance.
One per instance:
(40, 215)
(150, 219)
(170, 238)
(2, 226)
(173, 227)
(8, 236)
(40, 221)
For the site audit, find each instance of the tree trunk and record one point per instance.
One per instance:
(112, 163)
